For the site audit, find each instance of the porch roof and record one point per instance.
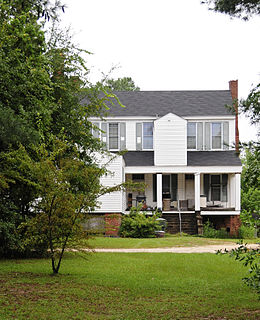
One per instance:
(195, 158)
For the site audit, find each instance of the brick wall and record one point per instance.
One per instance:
(112, 224)
(230, 223)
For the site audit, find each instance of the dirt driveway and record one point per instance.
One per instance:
(202, 249)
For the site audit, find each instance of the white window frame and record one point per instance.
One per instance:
(147, 136)
(196, 148)
(211, 135)
(118, 136)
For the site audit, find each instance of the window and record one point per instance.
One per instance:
(215, 187)
(216, 135)
(113, 134)
(191, 135)
(169, 186)
(148, 135)
(138, 177)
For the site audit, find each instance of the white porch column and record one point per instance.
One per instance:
(159, 190)
(197, 191)
(238, 192)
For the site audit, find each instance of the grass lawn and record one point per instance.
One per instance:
(123, 286)
(168, 241)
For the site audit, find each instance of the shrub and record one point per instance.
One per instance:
(138, 225)
(246, 232)
(208, 230)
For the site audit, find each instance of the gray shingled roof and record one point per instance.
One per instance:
(181, 103)
(195, 158)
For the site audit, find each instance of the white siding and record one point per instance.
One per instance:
(130, 135)
(112, 202)
(232, 133)
(170, 141)
(232, 190)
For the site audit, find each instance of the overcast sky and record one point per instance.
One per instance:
(168, 45)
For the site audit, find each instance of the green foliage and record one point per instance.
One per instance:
(68, 189)
(250, 181)
(246, 232)
(251, 106)
(251, 258)
(235, 8)
(121, 84)
(138, 225)
(210, 232)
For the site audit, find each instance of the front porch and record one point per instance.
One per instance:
(206, 193)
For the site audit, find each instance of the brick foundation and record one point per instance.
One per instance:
(229, 223)
(112, 224)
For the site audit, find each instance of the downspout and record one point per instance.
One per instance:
(233, 87)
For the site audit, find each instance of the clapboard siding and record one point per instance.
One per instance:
(112, 202)
(131, 135)
(170, 141)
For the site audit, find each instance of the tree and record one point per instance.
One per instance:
(235, 8)
(250, 182)
(68, 190)
(121, 84)
(42, 84)
(242, 9)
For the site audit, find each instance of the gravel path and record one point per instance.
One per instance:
(202, 249)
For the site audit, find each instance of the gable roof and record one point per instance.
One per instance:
(181, 103)
(195, 158)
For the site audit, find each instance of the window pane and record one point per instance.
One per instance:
(166, 184)
(215, 193)
(191, 129)
(191, 135)
(148, 143)
(216, 135)
(191, 142)
(216, 129)
(148, 135)
(216, 142)
(148, 128)
(215, 179)
(113, 135)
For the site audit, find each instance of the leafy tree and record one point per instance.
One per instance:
(250, 182)
(42, 85)
(251, 106)
(68, 189)
(235, 8)
(121, 84)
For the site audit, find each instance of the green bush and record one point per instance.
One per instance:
(209, 231)
(246, 232)
(138, 225)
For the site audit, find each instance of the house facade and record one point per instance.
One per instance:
(182, 145)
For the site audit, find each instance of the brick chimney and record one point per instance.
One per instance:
(233, 87)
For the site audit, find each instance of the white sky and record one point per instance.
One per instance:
(168, 45)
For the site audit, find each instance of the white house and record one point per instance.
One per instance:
(182, 145)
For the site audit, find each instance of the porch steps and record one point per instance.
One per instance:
(188, 222)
